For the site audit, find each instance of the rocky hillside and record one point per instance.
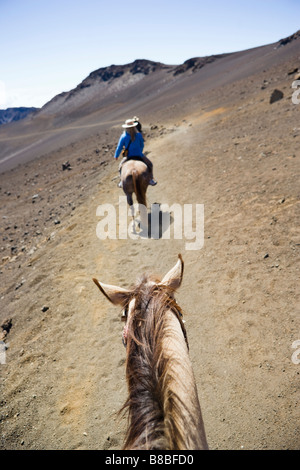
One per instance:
(103, 82)
(15, 114)
(117, 83)
(109, 82)
(197, 63)
(149, 89)
(285, 41)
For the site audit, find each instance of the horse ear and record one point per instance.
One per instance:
(116, 295)
(174, 277)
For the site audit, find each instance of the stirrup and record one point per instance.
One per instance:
(152, 182)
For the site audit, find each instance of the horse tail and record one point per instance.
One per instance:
(140, 194)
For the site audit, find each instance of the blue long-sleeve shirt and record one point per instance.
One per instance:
(135, 148)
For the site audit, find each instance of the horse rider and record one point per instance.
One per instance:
(132, 144)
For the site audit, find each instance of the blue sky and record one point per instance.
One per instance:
(50, 46)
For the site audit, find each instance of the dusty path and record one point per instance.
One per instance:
(63, 381)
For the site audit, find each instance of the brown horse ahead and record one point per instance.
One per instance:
(135, 177)
(163, 405)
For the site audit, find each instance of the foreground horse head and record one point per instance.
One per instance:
(163, 405)
(135, 177)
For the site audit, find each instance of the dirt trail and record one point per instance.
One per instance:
(64, 379)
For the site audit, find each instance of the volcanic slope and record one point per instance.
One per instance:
(110, 94)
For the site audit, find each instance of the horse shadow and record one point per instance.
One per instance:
(158, 222)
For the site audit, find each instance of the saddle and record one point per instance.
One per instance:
(135, 158)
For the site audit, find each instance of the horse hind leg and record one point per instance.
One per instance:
(131, 206)
(129, 199)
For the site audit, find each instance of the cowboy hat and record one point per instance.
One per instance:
(129, 123)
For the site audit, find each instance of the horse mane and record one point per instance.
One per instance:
(157, 415)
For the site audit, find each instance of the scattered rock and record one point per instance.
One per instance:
(44, 308)
(264, 86)
(20, 284)
(66, 166)
(276, 96)
(291, 72)
(5, 327)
